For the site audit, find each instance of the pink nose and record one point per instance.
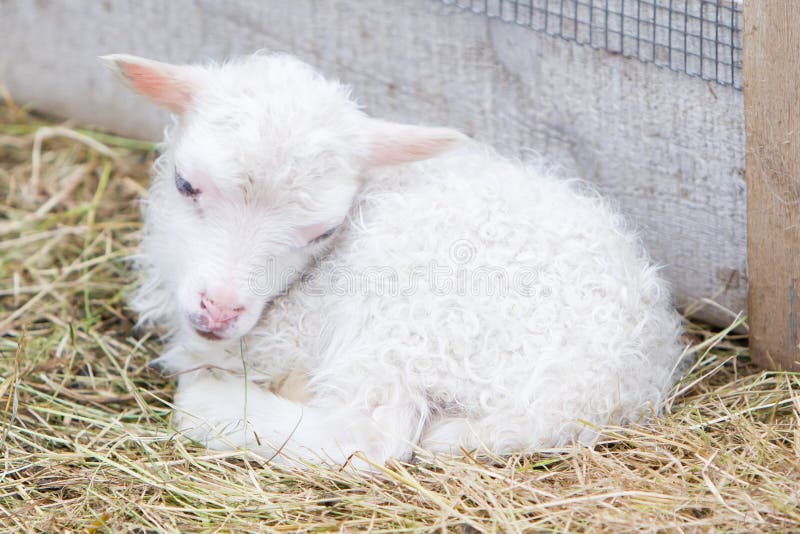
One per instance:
(215, 315)
(217, 311)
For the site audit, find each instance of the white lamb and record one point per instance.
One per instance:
(334, 283)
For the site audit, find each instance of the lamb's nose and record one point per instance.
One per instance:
(214, 316)
(217, 311)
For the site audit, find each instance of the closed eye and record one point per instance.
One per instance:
(184, 187)
(323, 236)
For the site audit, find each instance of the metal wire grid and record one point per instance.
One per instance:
(701, 38)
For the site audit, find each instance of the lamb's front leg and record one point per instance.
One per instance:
(225, 412)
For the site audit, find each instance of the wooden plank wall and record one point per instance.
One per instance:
(772, 123)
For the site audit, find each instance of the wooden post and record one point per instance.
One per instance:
(771, 72)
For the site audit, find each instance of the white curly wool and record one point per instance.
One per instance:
(462, 301)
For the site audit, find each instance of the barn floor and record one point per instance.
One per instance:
(87, 445)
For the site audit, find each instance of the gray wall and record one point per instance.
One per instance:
(669, 149)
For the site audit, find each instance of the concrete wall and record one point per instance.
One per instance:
(668, 148)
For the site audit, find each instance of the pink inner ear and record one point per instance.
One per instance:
(393, 144)
(162, 88)
(385, 152)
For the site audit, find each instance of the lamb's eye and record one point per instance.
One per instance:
(324, 235)
(184, 187)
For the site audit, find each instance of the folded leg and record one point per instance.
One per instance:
(226, 412)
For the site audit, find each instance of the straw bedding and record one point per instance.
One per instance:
(87, 444)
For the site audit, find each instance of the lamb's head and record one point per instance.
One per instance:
(260, 166)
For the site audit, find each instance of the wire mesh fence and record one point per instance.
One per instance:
(698, 37)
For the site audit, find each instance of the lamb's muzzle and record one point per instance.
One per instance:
(214, 318)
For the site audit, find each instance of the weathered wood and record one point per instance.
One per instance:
(772, 121)
(667, 148)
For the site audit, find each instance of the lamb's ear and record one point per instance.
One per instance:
(391, 143)
(170, 86)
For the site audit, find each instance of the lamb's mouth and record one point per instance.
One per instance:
(211, 336)
(209, 330)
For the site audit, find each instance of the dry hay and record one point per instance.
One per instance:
(87, 444)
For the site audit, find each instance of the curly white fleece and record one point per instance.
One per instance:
(466, 300)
